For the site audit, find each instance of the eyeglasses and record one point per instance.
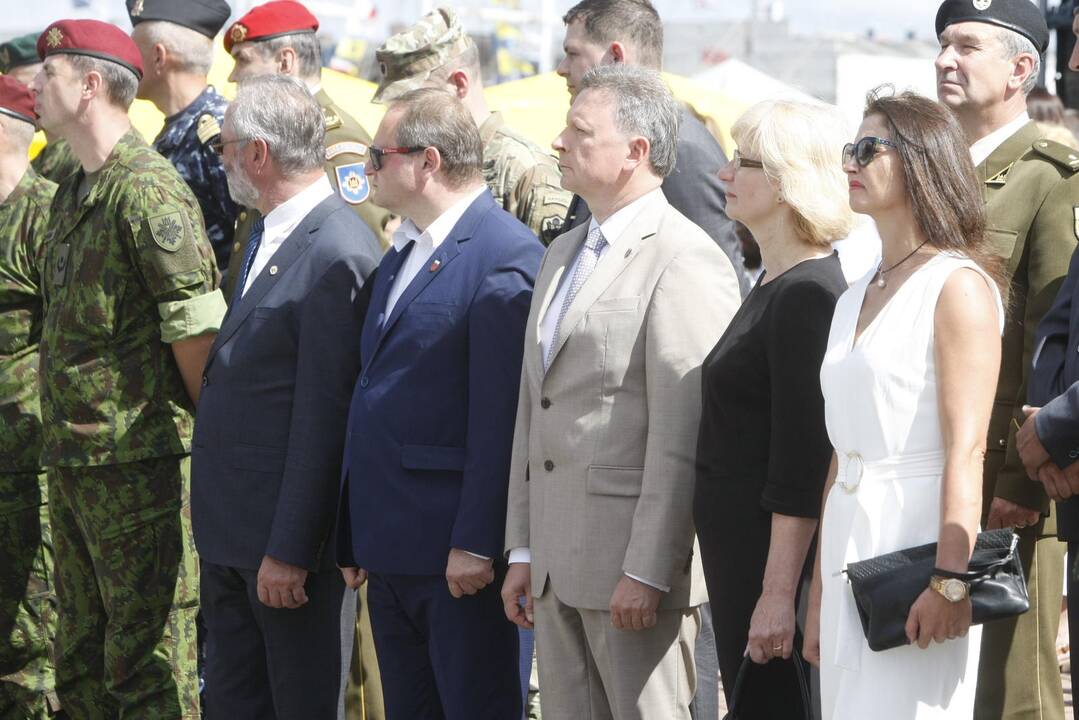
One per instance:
(377, 153)
(865, 149)
(217, 145)
(741, 162)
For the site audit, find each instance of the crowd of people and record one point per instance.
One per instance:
(298, 422)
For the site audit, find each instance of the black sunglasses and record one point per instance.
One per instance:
(865, 149)
(377, 153)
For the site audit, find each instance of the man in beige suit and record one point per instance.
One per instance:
(599, 524)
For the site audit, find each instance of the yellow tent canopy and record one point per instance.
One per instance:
(535, 106)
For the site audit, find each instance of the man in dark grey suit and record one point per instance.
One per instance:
(271, 417)
(630, 31)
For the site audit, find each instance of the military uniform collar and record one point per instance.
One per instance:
(490, 127)
(1008, 152)
(177, 125)
(130, 139)
(23, 186)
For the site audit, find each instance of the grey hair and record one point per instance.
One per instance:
(20, 132)
(644, 106)
(121, 84)
(280, 110)
(192, 51)
(305, 44)
(432, 117)
(1015, 45)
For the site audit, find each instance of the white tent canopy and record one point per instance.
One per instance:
(747, 84)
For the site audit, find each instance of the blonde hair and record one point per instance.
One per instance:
(801, 145)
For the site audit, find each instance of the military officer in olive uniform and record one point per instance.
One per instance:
(988, 62)
(131, 310)
(27, 600)
(18, 58)
(279, 37)
(176, 43)
(437, 52)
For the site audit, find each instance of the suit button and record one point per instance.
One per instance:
(205, 381)
(548, 465)
(1002, 442)
(243, 215)
(364, 382)
(545, 403)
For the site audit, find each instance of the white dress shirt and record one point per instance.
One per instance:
(283, 219)
(613, 228)
(983, 148)
(426, 242)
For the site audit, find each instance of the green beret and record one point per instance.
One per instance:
(18, 52)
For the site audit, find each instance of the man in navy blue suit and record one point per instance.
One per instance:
(431, 424)
(270, 427)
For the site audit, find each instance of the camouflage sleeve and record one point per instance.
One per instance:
(169, 247)
(540, 202)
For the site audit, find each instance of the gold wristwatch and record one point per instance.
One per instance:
(952, 589)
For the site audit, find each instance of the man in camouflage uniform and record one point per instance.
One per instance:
(18, 58)
(279, 37)
(437, 52)
(176, 43)
(27, 601)
(130, 313)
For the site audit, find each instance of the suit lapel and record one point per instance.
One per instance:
(294, 245)
(618, 256)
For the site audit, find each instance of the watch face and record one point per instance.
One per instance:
(954, 589)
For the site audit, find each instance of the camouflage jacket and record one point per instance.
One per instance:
(524, 180)
(24, 217)
(56, 161)
(111, 391)
(201, 169)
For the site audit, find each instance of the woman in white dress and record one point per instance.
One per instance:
(908, 382)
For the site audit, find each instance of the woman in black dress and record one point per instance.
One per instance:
(763, 451)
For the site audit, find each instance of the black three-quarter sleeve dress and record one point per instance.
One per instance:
(762, 449)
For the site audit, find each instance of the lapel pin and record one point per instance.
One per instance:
(435, 266)
(273, 269)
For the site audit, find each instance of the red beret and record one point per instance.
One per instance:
(16, 100)
(90, 37)
(275, 18)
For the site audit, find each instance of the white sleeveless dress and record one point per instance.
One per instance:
(881, 409)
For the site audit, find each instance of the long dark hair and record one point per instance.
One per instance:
(944, 192)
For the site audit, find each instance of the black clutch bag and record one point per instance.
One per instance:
(885, 587)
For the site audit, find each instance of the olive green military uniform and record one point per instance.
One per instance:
(1032, 194)
(524, 180)
(127, 271)
(27, 600)
(56, 161)
(346, 159)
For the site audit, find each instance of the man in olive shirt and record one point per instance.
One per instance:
(279, 38)
(131, 309)
(27, 618)
(18, 58)
(988, 62)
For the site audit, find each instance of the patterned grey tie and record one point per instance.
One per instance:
(593, 246)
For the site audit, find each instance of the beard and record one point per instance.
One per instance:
(241, 188)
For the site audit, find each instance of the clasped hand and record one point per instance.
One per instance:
(1059, 484)
(280, 585)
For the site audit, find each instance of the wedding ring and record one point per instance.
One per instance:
(777, 647)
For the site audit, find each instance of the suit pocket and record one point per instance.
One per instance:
(432, 457)
(615, 305)
(611, 480)
(258, 458)
(1003, 244)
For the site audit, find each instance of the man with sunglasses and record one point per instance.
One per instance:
(988, 62)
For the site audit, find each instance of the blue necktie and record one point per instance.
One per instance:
(253, 243)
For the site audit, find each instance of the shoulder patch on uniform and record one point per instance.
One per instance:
(355, 148)
(331, 118)
(168, 230)
(352, 182)
(207, 128)
(1062, 155)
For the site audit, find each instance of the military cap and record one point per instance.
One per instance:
(203, 16)
(407, 59)
(93, 38)
(16, 100)
(274, 19)
(19, 51)
(1021, 16)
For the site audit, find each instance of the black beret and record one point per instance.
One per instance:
(203, 16)
(1021, 16)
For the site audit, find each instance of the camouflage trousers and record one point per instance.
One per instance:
(127, 582)
(27, 601)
